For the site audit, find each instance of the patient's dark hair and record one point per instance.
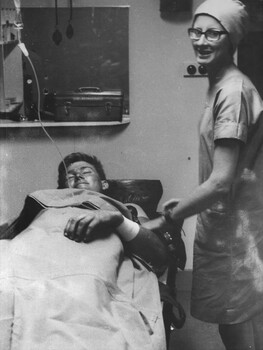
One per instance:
(78, 157)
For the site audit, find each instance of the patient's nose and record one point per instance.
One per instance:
(79, 176)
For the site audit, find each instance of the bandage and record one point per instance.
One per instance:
(128, 230)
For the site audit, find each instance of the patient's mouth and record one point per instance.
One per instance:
(82, 185)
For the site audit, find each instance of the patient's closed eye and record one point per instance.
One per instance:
(87, 171)
(83, 172)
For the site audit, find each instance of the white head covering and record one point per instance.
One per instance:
(231, 14)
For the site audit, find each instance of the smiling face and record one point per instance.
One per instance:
(212, 55)
(84, 175)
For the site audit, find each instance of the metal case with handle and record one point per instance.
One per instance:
(89, 104)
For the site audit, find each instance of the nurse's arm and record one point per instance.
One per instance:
(226, 155)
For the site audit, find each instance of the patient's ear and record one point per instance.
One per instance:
(105, 185)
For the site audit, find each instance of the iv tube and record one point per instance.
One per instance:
(25, 52)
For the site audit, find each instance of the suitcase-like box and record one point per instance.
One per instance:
(88, 104)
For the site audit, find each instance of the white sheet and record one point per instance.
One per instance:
(56, 294)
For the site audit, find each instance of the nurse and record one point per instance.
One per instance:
(228, 248)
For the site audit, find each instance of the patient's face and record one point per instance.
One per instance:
(83, 175)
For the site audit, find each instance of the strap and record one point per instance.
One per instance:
(169, 298)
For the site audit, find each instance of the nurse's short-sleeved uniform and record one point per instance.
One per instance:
(228, 249)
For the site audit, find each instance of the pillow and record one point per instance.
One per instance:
(145, 193)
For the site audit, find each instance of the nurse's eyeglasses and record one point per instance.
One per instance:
(210, 34)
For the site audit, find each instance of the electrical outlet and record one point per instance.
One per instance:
(193, 70)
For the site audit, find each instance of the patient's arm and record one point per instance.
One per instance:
(148, 246)
(93, 224)
(137, 240)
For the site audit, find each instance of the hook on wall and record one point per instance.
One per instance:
(57, 36)
(70, 31)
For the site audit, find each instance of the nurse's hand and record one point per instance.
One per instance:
(92, 225)
(170, 204)
(157, 225)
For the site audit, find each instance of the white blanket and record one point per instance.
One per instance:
(56, 294)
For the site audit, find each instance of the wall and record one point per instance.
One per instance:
(161, 140)
(99, 47)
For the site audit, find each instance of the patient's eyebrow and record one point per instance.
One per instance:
(81, 169)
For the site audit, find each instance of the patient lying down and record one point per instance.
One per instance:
(73, 273)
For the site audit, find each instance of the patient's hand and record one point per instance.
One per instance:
(92, 225)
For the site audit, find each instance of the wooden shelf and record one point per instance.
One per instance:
(37, 124)
(10, 42)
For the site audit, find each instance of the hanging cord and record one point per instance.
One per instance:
(57, 36)
(71, 9)
(39, 116)
(25, 52)
(70, 31)
(56, 12)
